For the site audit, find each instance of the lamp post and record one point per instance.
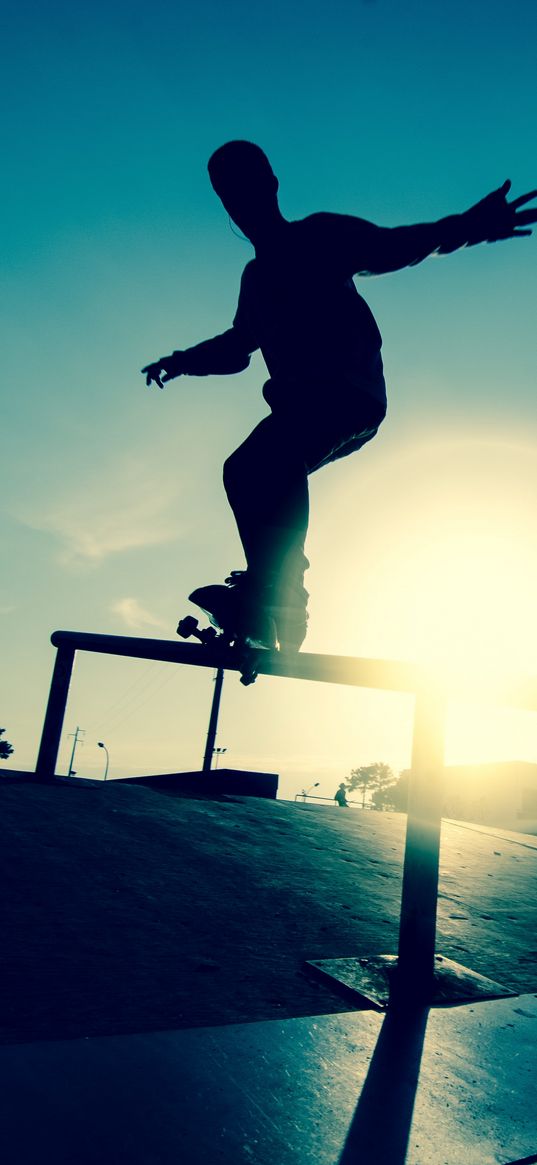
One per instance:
(101, 745)
(305, 792)
(218, 752)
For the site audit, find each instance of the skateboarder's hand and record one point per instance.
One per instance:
(495, 218)
(164, 369)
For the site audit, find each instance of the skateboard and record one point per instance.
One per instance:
(231, 628)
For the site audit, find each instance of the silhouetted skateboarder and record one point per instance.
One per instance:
(321, 345)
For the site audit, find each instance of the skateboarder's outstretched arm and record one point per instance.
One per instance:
(383, 249)
(221, 355)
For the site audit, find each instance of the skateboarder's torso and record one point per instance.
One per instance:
(299, 305)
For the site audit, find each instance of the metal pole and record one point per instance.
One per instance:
(70, 770)
(101, 744)
(213, 721)
(417, 931)
(53, 724)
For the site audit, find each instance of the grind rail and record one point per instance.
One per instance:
(417, 928)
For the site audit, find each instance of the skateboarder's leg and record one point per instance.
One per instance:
(266, 482)
(266, 479)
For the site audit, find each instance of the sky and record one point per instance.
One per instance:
(116, 250)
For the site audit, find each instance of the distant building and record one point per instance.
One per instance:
(503, 793)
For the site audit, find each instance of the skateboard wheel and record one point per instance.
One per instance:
(187, 626)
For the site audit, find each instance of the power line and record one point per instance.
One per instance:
(123, 714)
(144, 680)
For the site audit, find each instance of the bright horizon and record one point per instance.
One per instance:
(423, 545)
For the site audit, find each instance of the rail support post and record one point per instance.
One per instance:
(417, 929)
(54, 716)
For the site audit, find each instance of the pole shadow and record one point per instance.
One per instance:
(380, 1128)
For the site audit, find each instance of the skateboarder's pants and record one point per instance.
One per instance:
(266, 478)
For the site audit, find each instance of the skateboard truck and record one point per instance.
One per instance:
(189, 626)
(209, 636)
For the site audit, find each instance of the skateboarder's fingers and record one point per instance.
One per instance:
(153, 377)
(152, 373)
(525, 216)
(522, 199)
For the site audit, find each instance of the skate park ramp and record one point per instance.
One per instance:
(154, 967)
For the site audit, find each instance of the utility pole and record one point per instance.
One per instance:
(79, 732)
(213, 721)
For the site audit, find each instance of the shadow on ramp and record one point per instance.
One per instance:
(380, 1128)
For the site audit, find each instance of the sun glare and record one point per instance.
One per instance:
(468, 596)
(447, 576)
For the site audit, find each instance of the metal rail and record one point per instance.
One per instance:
(315, 797)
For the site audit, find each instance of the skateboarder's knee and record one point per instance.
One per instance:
(231, 472)
(237, 473)
(241, 465)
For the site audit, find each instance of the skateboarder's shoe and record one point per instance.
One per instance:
(291, 626)
(285, 604)
(233, 613)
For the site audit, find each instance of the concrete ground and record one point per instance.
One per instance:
(134, 916)
(454, 1087)
(126, 910)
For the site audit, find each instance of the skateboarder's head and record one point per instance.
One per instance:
(243, 178)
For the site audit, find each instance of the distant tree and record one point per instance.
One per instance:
(377, 776)
(5, 747)
(399, 792)
(383, 798)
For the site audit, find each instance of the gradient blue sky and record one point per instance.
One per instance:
(115, 250)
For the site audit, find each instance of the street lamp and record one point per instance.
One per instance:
(218, 752)
(101, 745)
(305, 792)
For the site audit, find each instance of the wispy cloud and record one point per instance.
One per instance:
(131, 505)
(135, 615)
